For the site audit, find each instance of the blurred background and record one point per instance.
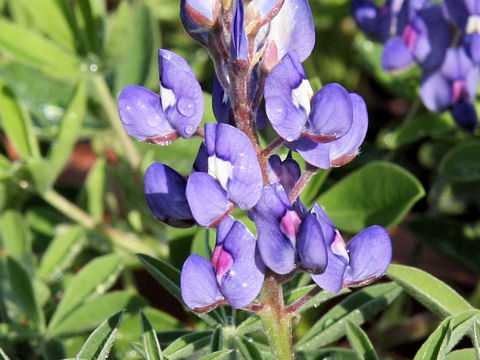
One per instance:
(72, 209)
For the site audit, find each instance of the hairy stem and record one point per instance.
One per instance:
(111, 109)
(276, 320)
(310, 170)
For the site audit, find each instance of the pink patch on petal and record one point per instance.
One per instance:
(459, 90)
(410, 36)
(222, 261)
(289, 224)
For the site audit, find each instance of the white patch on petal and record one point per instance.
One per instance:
(473, 24)
(338, 247)
(220, 169)
(302, 94)
(168, 97)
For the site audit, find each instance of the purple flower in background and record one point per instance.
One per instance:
(365, 258)
(235, 272)
(295, 111)
(453, 87)
(341, 151)
(291, 30)
(465, 14)
(287, 238)
(233, 175)
(286, 172)
(376, 22)
(176, 112)
(421, 35)
(165, 194)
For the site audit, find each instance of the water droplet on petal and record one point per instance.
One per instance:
(189, 129)
(186, 107)
(242, 205)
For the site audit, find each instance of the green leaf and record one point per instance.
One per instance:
(328, 354)
(91, 23)
(139, 49)
(71, 124)
(187, 345)
(150, 340)
(461, 163)
(95, 186)
(16, 238)
(429, 124)
(60, 253)
(88, 315)
(360, 342)
(23, 291)
(216, 343)
(463, 354)
(99, 343)
(218, 355)
(475, 336)
(434, 294)
(50, 19)
(447, 335)
(164, 273)
(247, 348)
(357, 308)
(94, 279)
(352, 209)
(33, 49)
(16, 123)
(251, 324)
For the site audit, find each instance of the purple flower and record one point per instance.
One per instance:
(287, 238)
(453, 87)
(376, 22)
(422, 35)
(465, 14)
(340, 151)
(176, 112)
(233, 175)
(239, 41)
(165, 194)
(286, 172)
(295, 111)
(235, 272)
(365, 258)
(291, 30)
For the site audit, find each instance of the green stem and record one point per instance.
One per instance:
(126, 241)
(110, 106)
(276, 320)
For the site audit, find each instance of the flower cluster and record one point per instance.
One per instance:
(257, 47)
(443, 39)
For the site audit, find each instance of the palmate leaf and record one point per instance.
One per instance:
(38, 51)
(218, 355)
(357, 308)
(187, 345)
(360, 342)
(23, 291)
(61, 251)
(447, 335)
(16, 123)
(434, 294)
(150, 341)
(463, 354)
(100, 342)
(94, 279)
(352, 209)
(248, 349)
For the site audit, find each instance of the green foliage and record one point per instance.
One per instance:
(352, 208)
